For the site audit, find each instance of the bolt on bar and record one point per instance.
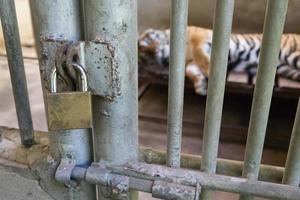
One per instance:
(273, 28)
(216, 86)
(176, 82)
(116, 121)
(58, 19)
(226, 167)
(142, 176)
(17, 71)
(292, 167)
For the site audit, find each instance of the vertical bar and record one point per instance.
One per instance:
(292, 167)
(273, 28)
(56, 19)
(116, 122)
(176, 82)
(16, 68)
(216, 86)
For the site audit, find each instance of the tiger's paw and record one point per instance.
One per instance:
(201, 87)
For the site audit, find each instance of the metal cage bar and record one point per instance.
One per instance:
(292, 167)
(273, 28)
(116, 121)
(142, 177)
(226, 167)
(216, 86)
(62, 19)
(17, 71)
(176, 81)
(57, 19)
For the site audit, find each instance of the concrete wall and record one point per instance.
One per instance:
(248, 17)
(24, 21)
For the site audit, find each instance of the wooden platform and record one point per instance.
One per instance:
(236, 112)
(236, 83)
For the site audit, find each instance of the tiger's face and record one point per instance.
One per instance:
(154, 46)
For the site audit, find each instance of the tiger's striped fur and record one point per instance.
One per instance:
(243, 54)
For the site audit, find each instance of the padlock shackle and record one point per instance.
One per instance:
(53, 81)
(83, 78)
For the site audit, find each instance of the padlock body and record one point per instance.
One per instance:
(69, 110)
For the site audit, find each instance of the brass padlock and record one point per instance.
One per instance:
(69, 110)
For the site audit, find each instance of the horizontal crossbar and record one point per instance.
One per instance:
(141, 177)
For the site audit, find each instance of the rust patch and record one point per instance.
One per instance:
(114, 82)
(96, 55)
(49, 44)
(169, 191)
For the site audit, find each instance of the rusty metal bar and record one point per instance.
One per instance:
(141, 176)
(116, 120)
(176, 81)
(57, 20)
(170, 191)
(17, 71)
(273, 28)
(216, 87)
(224, 166)
(292, 166)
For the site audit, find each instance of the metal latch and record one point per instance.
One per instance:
(173, 191)
(115, 186)
(98, 58)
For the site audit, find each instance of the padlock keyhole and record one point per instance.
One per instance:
(76, 58)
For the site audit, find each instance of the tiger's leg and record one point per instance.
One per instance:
(251, 75)
(250, 78)
(251, 71)
(194, 73)
(276, 83)
(289, 72)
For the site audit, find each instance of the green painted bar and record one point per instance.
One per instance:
(17, 71)
(216, 86)
(176, 82)
(273, 28)
(292, 166)
(58, 19)
(116, 121)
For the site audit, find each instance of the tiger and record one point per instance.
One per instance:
(244, 50)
